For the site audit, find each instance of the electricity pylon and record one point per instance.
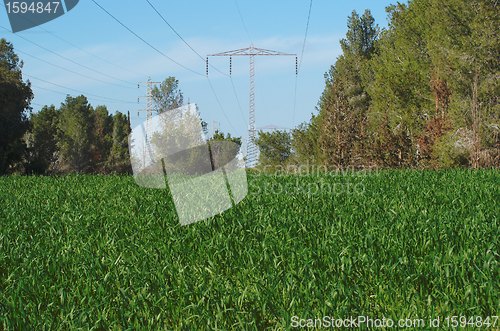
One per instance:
(251, 52)
(149, 115)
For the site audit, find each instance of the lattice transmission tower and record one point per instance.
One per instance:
(149, 115)
(251, 52)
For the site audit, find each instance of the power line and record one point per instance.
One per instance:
(172, 28)
(68, 59)
(300, 63)
(202, 59)
(61, 67)
(305, 35)
(48, 89)
(243, 21)
(294, 100)
(181, 38)
(220, 104)
(71, 71)
(98, 99)
(78, 91)
(144, 41)
(91, 54)
(79, 48)
(37, 104)
(251, 43)
(238, 101)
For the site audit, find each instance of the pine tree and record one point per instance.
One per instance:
(15, 98)
(102, 138)
(42, 140)
(119, 157)
(345, 101)
(75, 138)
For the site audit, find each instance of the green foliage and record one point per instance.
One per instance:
(450, 151)
(168, 96)
(74, 142)
(223, 148)
(362, 33)
(305, 143)
(437, 62)
(102, 138)
(99, 252)
(395, 99)
(275, 148)
(15, 97)
(42, 140)
(345, 100)
(219, 136)
(77, 138)
(401, 92)
(119, 157)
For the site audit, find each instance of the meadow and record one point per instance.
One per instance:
(99, 252)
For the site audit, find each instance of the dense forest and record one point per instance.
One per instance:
(421, 93)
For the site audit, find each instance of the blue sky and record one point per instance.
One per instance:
(209, 27)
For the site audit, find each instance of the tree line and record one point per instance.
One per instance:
(421, 93)
(74, 137)
(77, 137)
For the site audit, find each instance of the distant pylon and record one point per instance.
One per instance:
(149, 114)
(251, 52)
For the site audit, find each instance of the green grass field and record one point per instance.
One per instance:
(100, 252)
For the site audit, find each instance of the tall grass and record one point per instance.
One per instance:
(100, 252)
